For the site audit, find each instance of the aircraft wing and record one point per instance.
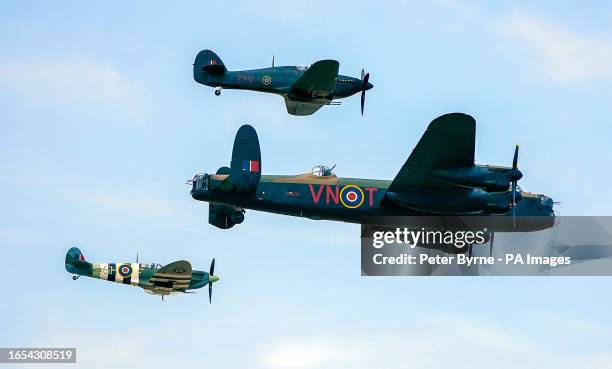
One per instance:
(175, 276)
(447, 143)
(301, 107)
(319, 81)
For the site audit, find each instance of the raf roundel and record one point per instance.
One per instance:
(351, 196)
(125, 271)
(266, 80)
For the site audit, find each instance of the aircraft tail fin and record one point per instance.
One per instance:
(207, 62)
(75, 260)
(245, 168)
(244, 172)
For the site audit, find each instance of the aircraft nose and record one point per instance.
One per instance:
(213, 279)
(516, 175)
(369, 86)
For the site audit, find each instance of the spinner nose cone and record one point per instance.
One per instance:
(516, 175)
(369, 86)
(213, 279)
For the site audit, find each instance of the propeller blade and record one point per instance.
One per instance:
(364, 87)
(362, 101)
(516, 175)
(514, 204)
(362, 73)
(365, 80)
(211, 272)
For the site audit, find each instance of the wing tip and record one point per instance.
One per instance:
(454, 120)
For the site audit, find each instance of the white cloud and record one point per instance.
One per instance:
(304, 354)
(549, 50)
(432, 342)
(545, 49)
(86, 86)
(287, 10)
(134, 204)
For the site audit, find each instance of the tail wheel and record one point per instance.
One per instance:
(218, 91)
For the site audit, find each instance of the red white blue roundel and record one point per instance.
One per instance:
(351, 196)
(125, 270)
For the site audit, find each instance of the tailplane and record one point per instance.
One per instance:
(75, 260)
(245, 168)
(207, 62)
(244, 172)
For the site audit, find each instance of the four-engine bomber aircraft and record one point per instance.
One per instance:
(439, 178)
(305, 89)
(174, 278)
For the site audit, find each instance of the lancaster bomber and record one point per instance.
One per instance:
(174, 278)
(439, 178)
(305, 88)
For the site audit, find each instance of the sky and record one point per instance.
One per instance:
(102, 124)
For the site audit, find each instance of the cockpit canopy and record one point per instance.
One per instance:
(302, 68)
(323, 170)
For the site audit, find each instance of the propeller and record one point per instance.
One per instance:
(365, 77)
(211, 273)
(515, 176)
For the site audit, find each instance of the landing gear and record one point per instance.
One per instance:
(75, 277)
(218, 91)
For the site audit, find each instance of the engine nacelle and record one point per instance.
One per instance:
(488, 177)
(464, 201)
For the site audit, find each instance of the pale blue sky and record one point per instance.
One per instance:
(103, 123)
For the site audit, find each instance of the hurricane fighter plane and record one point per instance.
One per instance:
(174, 278)
(439, 178)
(305, 88)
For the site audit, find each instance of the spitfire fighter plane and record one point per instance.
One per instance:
(305, 89)
(439, 178)
(174, 278)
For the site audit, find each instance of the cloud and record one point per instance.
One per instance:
(86, 86)
(305, 354)
(549, 50)
(286, 10)
(133, 204)
(545, 49)
(431, 342)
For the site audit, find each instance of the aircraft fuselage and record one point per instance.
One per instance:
(133, 274)
(276, 80)
(351, 199)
